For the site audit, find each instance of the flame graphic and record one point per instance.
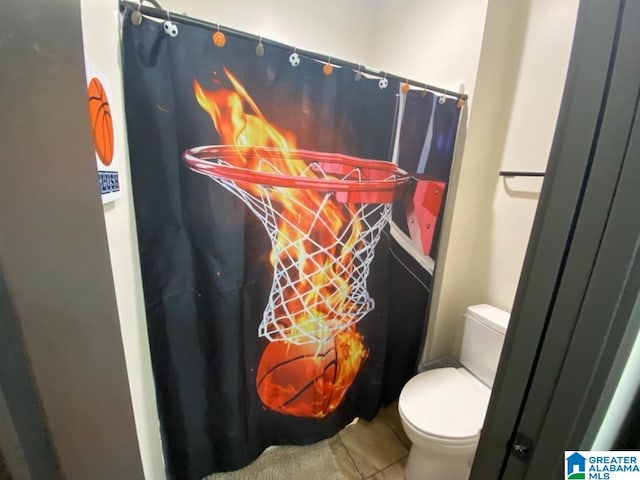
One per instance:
(310, 379)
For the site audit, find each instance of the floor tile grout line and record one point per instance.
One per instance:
(350, 457)
(400, 439)
(388, 423)
(393, 429)
(388, 466)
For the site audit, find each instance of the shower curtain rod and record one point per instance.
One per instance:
(158, 12)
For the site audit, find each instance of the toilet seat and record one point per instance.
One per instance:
(445, 404)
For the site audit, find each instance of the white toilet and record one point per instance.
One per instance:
(442, 410)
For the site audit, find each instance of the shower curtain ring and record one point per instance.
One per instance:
(219, 38)
(327, 68)
(358, 74)
(260, 47)
(423, 93)
(169, 27)
(294, 58)
(136, 16)
(383, 82)
(405, 86)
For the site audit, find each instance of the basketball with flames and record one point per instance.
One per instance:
(319, 289)
(309, 380)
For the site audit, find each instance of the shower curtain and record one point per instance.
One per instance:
(242, 359)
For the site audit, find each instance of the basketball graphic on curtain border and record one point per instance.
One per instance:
(101, 123)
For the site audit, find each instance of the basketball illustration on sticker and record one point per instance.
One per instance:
(101, 123)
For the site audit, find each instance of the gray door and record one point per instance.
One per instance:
(572, 314)
(64, 381)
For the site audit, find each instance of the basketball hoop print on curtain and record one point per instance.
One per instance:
(324, 214)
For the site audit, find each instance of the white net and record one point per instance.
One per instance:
(322, 251)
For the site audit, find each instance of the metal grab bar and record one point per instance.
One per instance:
(509, 173)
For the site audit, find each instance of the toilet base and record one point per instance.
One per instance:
(424, 464)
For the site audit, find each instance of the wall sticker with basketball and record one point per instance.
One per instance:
(101, 123)
(279, 306)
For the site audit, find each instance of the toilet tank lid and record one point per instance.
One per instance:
(490, 316)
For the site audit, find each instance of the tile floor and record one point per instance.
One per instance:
(375, 450)
(378, 449)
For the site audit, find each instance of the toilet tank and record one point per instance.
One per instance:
(482, 339)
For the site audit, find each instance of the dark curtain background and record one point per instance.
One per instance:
(427, 136)
(204, 255)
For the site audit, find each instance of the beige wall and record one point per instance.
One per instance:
(435, 41)
(341, 28)
(512, 58)
(462, 272)
(531, 127)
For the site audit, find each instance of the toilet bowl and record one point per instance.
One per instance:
(442, 410)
